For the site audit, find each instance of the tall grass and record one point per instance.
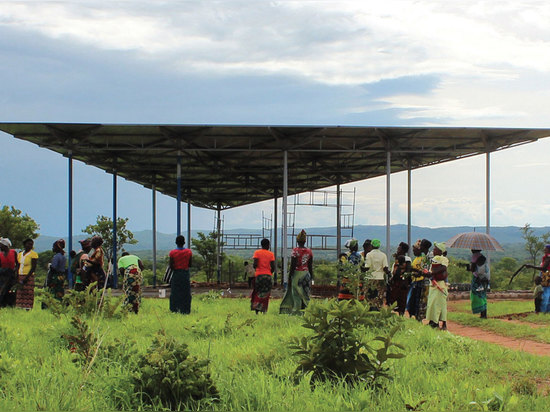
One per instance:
(251, 364)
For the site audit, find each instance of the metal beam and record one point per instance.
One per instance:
(115, 274)
(219, 235)
(285, 217)
(178, 208)
(154, 216)
(388, 202)
(409, 206)
(275, 233)
(70, 240)
(338, 222)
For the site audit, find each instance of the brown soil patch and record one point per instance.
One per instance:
(529, 346)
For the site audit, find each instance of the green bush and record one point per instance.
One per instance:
(337, 349)
(89, 302)
(167, 375)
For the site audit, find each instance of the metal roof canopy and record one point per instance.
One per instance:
(237, 165)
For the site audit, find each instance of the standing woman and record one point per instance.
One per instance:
(57, 273)
(180, 294)
(545, 275)
(301, 274)
(26, 265)
(95, 262)
(416, 303)
(400, 280)
(8, 263)
(264, 263)
(130, 267)
(437, 297)
(480, 283)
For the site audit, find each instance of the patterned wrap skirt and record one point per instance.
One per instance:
(24, 297)
(56, 283)
(7, 281)
(478, 295)
(437, 302)
(131, 286)
(297, 293)
(259, 299)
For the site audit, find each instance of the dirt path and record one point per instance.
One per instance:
(535, 348)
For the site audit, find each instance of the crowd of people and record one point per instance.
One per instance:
(416, 285)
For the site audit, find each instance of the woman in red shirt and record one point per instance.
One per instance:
(180, 294)
(301, 274)
(264, 263)
(8, 262)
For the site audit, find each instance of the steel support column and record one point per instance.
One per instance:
(338, 222)
(218, 238)
(275, 231)
(488, 192)
(409, 205)
(388, 204)
(178, 177)
(285, 217)
(115, 274)
(154, 215)
(189, 220)
(70, 237)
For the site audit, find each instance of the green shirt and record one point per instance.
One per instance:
(537, 292)
(128, 260)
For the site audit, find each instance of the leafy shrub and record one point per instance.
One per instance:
(210, 296)
(337, 350)
(82, 342)
(87, 302)
(167, 375)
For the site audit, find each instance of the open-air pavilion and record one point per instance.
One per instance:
(225, 166)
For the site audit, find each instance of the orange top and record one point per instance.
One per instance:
(265, 257)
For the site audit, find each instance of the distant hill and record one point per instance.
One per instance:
(507, 235)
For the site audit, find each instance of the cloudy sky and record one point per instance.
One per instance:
(392, 63)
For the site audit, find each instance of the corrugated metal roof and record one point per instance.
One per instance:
(237, 165)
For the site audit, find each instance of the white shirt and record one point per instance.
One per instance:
(376, 261)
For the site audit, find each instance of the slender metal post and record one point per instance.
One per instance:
(178, 177)
(218, 237)
(154, 191)
(285, 217)
(338, 222)
(115, 274)
(189, 219)
(70, 247)
(275, 229)
(409, 205)
(488, 192)
(388, 199)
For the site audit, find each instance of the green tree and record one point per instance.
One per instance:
(207, 247)
(104, 228)
(533, 244)
(16, 226)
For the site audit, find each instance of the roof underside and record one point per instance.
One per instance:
(237, 165)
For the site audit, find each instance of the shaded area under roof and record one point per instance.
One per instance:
(236, 165)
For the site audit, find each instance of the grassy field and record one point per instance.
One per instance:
(252, 366)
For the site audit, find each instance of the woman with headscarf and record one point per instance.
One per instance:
(264, 263)
(180, 284)
(27, 260)
(400, 279)
(130, 267)
(437, 296)
(416, 302)
(95, 262)
(545, 279)
(78, 264)
(480, 283)
(300, 276)
(57, 273)
(8, 263)
(376, 266)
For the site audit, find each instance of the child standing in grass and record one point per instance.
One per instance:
(537, 293)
